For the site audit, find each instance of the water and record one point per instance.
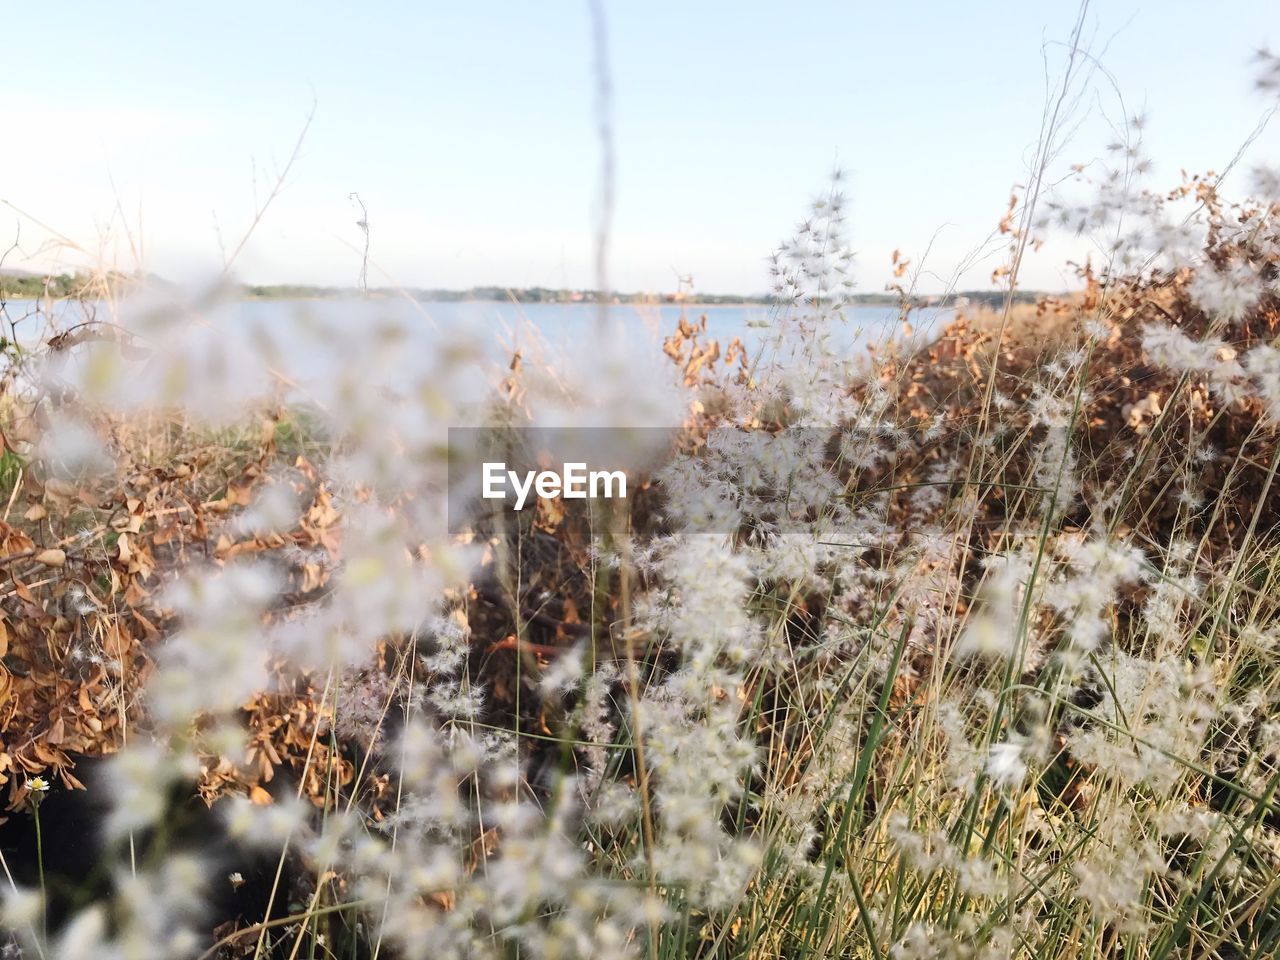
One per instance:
(226, 351)
(509, 325)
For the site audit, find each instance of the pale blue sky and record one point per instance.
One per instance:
(468, 129)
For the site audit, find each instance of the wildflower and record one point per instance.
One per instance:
(84, 936)
(38, 785)
(1230, 293)
(1112, 883)
(264, 827)
(275, 511)
(20, 907)
(140, 777)
(1005, 765)
(1170, 347)
(1263, 363)
(963, 759)
(565, 673)
(992, 631)
(72, 450)
(988, 636)
(1096, 328)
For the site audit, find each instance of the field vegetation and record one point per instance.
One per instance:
(965, 650)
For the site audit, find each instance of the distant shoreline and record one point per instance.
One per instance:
(510, 302)
(68, 286)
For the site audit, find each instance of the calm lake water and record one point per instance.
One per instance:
(218, 356)
(228, 351)
(559, 325)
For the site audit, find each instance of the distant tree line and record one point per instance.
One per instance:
(26, 286)
(990, 298)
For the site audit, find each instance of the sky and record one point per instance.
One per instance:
(143, 134)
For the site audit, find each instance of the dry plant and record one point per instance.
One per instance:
(968, 651)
